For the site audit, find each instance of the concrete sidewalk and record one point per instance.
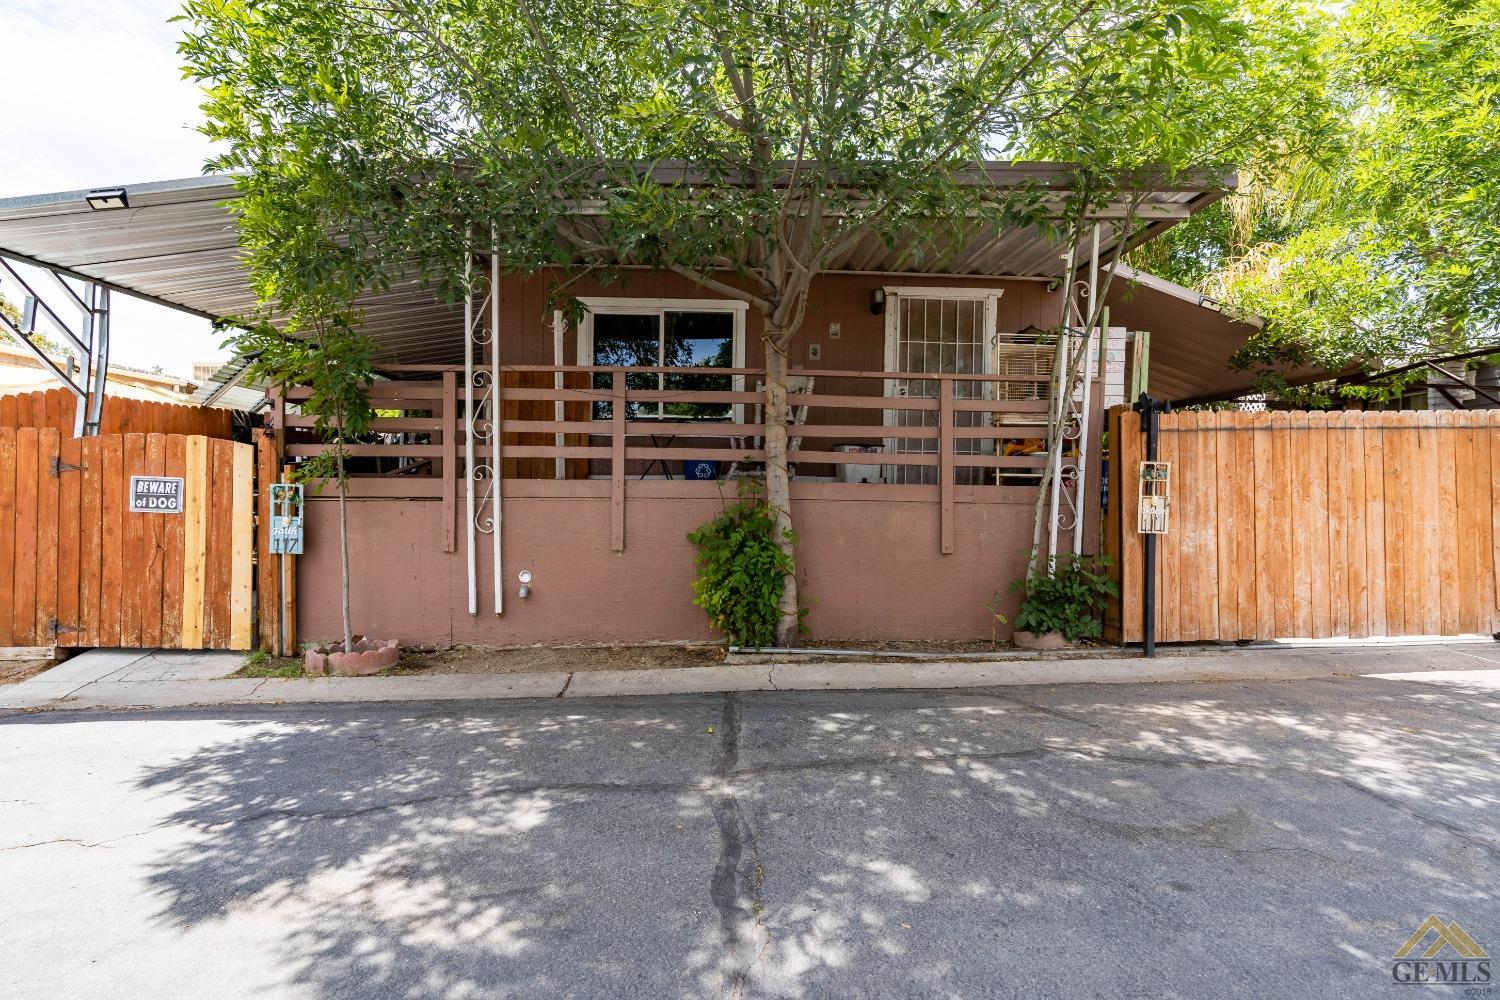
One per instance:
(121, 678)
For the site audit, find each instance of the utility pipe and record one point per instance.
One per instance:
(1149, 408)
(1081, 483)
(495, 375)
(468, 423)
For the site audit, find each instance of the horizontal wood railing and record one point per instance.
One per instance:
(560, 422)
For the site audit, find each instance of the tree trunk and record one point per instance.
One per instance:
(344, 546)
(778, 480)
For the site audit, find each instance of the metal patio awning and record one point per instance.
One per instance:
(176, 244)
(1192, 338)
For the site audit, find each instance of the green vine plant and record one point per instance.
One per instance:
(1068, 597)
(742, 569)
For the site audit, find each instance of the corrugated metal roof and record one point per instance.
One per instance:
(177, 244)
(1191, 339)
(240, 395)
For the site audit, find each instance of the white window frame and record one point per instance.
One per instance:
(621, 305)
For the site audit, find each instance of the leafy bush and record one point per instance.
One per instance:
(1068, 598)
(741, 570)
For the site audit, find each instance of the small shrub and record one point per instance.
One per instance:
(1068, 598)
(741, 570)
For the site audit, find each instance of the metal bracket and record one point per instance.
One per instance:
(59, 467)
(54, 627)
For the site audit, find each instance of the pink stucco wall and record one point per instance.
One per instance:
(871, 567)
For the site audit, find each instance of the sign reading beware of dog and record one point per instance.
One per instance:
(156, 494)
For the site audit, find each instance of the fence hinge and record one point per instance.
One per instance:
(54, 627)
(59, 466)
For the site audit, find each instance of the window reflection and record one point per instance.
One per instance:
(671, 339)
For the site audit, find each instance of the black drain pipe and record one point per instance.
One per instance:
(1149, 409)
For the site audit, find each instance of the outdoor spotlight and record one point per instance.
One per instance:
(525, 578)
(877, 301)
(107, 198)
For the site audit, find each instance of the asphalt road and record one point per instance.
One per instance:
(1209, 840)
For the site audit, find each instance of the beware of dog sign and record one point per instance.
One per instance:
(156, 494)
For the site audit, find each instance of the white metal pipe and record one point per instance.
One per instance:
(85, 364)
(1061, 364)
(100, 357)
(495, 478)
(469, 425)
(1088, 395)
(559, 465)
(1055, 455)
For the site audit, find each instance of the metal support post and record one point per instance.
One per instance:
(1149, 410)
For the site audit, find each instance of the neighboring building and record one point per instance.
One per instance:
(203, 371)
(20, 371)
(222, 383)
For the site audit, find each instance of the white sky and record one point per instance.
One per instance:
(94, 98)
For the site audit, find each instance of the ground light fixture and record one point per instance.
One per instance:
(104, 199)
(525, 577)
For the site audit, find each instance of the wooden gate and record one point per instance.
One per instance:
(80, 566)
(1314, 525)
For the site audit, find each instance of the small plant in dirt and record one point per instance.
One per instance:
(1066, 598)
(997, 617)
(262, 664)
(742, 569)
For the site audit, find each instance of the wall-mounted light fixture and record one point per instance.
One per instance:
(107, 198)
(877, 301)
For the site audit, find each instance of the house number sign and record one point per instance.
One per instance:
(1156, 497)
(286, 519)
(156, 494)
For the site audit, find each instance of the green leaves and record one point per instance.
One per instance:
(741, 572)
(1068, 598)
(369, 134)
(333, 360)
(1371, 232)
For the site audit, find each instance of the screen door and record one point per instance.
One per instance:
(932, 331)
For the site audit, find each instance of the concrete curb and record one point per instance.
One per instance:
(101, 683)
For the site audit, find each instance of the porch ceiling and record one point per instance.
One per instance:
(1191, 339)
(177, 245)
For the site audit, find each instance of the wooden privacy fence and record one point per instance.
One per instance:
(1314, 524)
(80, 567)
(55, 408)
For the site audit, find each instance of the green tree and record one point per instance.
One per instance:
(332, 359)
(1383, 243)
(12, 313)
(743, 145)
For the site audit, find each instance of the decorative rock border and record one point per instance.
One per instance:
(370, 656)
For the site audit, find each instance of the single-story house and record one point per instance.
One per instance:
(514, 440)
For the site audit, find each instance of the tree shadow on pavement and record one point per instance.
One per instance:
(1125, 841)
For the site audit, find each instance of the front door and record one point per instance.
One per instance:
(936, 331)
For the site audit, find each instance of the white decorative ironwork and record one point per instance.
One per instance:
(1072, 393)
(484, 478)
(482, 471)
(482, 425)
